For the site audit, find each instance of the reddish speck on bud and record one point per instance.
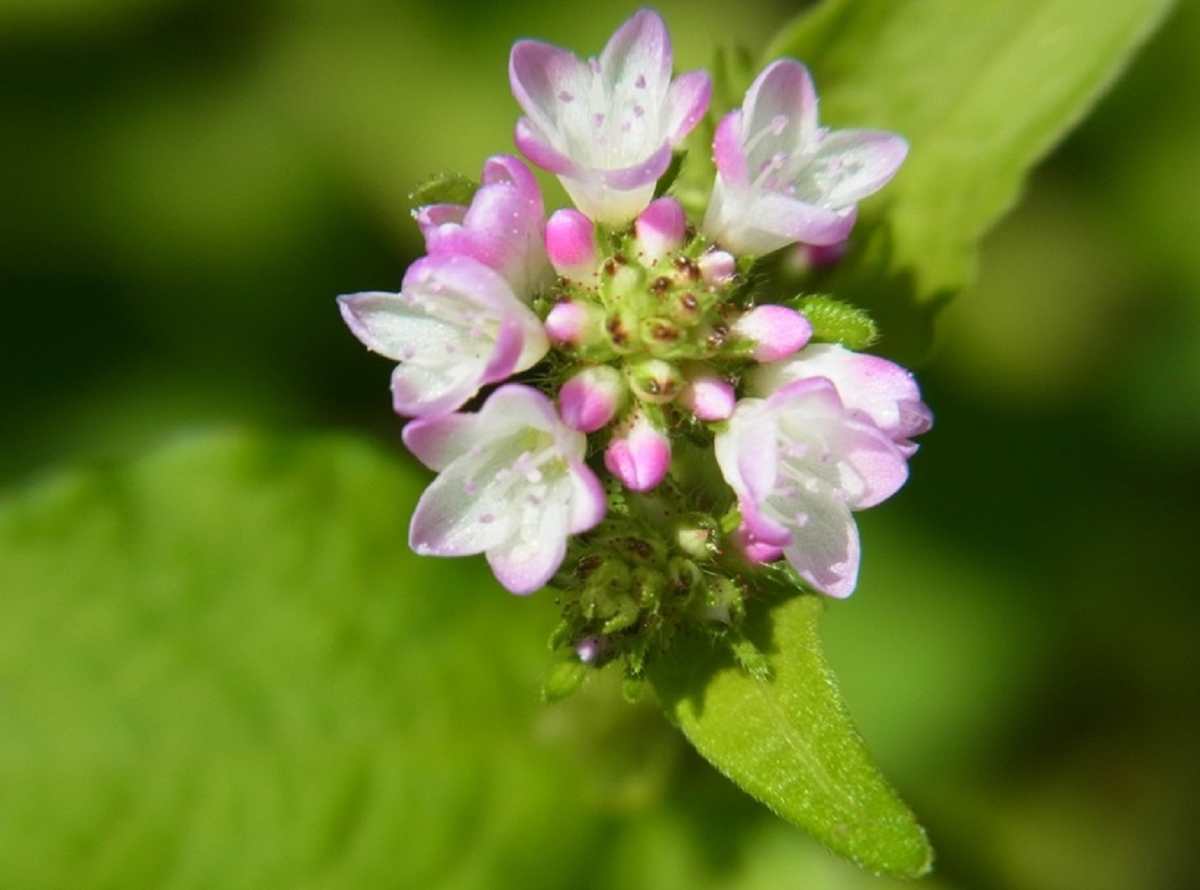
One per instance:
(654, 380)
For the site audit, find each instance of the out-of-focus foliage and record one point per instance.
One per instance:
(981, 91)
(187, 186)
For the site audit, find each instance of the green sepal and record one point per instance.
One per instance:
(563, 678)
(672, 173)
(443, 188)
(750, 658)
(836, 322)
(789, 741)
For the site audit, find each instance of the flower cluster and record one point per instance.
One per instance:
(612, 402)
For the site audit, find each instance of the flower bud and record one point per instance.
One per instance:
(661, 228)
(775, 332)
(639, 455)
(592, 648)
(589, 400)
(655, 380)
(574, 324)
(571, 244)
(717, 267)
(709, 397)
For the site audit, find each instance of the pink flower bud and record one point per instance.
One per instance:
(571, 244)
(589, 400)
(708, 397)
(775, 331)
(571, 323)
(639, 455)
(661, 228)
(591, 649)
(717, 267)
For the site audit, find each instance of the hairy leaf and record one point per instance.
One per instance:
(789, 740)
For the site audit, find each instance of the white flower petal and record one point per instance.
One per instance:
(515, 490)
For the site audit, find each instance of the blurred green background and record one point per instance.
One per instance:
(187, 185)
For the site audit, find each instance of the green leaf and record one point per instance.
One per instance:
(789, 740)
(222, 667)
(982, 91)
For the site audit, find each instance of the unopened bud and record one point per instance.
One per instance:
(571, 245)
(655, 380)
(661, 228)
(589, 400)
(639, 455)
(591, 649)
(573, 323)
(709, 397)
(717, 267)
(775, 332)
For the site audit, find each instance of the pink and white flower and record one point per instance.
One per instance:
(799, 462)
(873, 387)
(606, 127)
(503, 228)
(455, 326)
(782, 178)
(512, 484)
